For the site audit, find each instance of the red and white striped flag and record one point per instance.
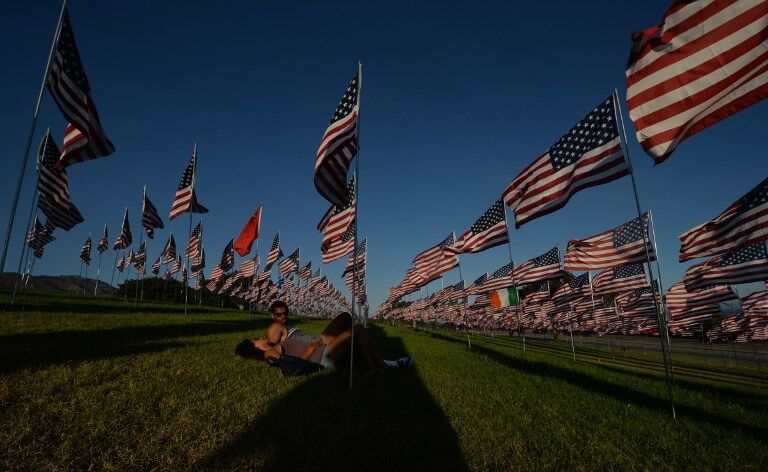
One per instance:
(490, 230)
(616, 247)
(682, 302)
(275, 252)
(336, 220)
(749, 264)
(340, 247)
(185, 199)
(705, 62)
(85, 138)
(755, 304)
(247, 268)
(589, 154)
(290, 264)
(620, 279)
(743, 223)
(124, 239)
(545, 266)
(338, 147)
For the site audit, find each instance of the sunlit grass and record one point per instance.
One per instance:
(100, 384)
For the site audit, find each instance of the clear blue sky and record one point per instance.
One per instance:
(457, 98)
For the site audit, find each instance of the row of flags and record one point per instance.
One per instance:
(737, 237)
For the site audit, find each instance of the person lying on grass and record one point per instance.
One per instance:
(327, 350)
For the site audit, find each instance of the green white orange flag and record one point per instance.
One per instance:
(504, 297)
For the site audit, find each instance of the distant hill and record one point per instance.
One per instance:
(60, 283)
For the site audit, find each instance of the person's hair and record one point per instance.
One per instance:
(247, 350)
(277, 304)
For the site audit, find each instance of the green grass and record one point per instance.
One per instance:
(98, 384)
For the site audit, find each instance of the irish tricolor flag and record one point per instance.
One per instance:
(504, 297)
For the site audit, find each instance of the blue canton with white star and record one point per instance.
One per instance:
(751, 253)
(629, 232)
(593, 131)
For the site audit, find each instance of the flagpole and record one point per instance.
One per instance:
(98, 270)
(186, 283)
(520, 329)
(661, 288)
(141, 240)
(33, 125)
(357, 211)
(85, 282)
(660, 317)
(32, 213)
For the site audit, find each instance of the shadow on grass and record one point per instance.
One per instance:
(35, 350)
(387, 422)
(601, 387)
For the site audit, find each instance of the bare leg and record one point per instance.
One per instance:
(338, 349)
(339, 324)
(368, 348)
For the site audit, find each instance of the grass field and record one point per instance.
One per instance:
(97, 384)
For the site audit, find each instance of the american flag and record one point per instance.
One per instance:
(39, 236)
(362, 258)
(120, 264)
(428, 260)
(263, 277)
(176, 265)
(248, 268)
(85, 252)
(199, 281)
(68, 84)
(545, 266)
(198, 263)
(211, 285)
(477, 285)
(149, 217)
(576, 287)
(53, 188)
(540, 295)
(338, 147)
(639, 297)
(620, 279)
(490, 230)
(500, 278)
(748, 264)
(186, 199)
(340, 247)
(216, 274)
(124, 239)
(169, 251)
(288, 284)
(290, 264)
(227, 257)
(743, 223)
(184, 275)
(306, 272)
(682, 302)
(194, 246)
(619, 246)
(275, 253)
(589, 154)
(140, 258)
(701, 65)
(315, 280)
(336, 220)
(755, 304)
(156, 265)
(103, 242)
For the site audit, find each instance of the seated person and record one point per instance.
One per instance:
(328, 349)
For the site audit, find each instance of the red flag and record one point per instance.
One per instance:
(249, 234)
